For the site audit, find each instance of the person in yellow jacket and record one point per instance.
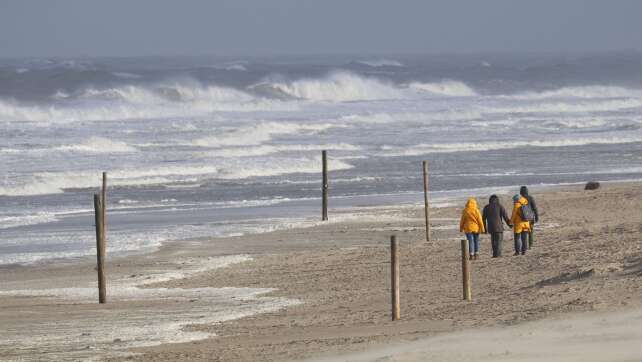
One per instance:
(472, 225)
(521, 228)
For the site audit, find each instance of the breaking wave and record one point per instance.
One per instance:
(135, 102)
(338, 86)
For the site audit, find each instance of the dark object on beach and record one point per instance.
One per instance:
(592, 185)
(324, 186)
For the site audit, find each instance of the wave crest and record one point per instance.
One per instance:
(338, 86)
(98, 145)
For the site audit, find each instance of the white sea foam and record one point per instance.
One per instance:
(409, 117)
(445, 88)
(584, 106)
(287, 166)
(422, 149)
(145, 327)
(127, 202)
(258, 133)
(98, 145)
(595, 91)
(24, 220)
(134, 102)
(244, 151)
(56, 182)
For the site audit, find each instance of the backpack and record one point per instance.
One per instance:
(526, 213)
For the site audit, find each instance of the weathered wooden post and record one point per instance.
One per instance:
(394, 276)
(465, 270)
(104, 211)
(427, 208)
(100, 249)
(324, 186)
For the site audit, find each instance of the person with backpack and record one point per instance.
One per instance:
(531, 201)
(493, 215)
(522, 214)
(472, 225)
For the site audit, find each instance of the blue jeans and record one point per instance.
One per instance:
(473, 243)
(521, 242)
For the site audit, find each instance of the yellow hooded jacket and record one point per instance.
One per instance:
(519, 225)
(471, 219)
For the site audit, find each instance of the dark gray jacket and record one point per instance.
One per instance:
(493, 215)
(531, 201)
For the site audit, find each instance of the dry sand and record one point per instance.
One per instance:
(324, 291)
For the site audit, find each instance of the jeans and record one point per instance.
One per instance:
(521, 242)
(496, 243)
(531, 236)
(473, 243)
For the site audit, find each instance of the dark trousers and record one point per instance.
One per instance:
(496, 243)
(531, 236)
(521, 242)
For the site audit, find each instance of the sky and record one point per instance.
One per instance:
(273, 27)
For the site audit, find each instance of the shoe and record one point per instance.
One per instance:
(523, 253)
(471, 257)
(516, 253)
(476, 256)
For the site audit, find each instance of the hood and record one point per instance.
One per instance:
(523, 191)
(493, 199)
(471, 204)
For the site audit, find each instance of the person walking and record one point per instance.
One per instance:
(492, 216)
(521, 225)
(472, 225)
(531, 201)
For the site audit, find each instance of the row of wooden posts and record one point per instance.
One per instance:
(394, 275)
(100, 209)
(324, 193)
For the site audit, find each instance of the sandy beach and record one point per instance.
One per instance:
(322, 292)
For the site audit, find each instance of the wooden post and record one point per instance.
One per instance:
(104, 211)
(427, 208)
(465, 270)
(394, 275)
(324, 187)
(100, 250)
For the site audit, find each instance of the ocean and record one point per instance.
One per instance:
(214, 146)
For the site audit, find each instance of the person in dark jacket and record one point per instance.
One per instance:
(531, 201)
(493, 215)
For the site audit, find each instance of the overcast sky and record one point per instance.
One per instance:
(267, 27)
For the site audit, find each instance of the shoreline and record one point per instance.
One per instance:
(439, 199)
(338, 271)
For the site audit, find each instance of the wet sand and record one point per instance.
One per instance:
(324, 291)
